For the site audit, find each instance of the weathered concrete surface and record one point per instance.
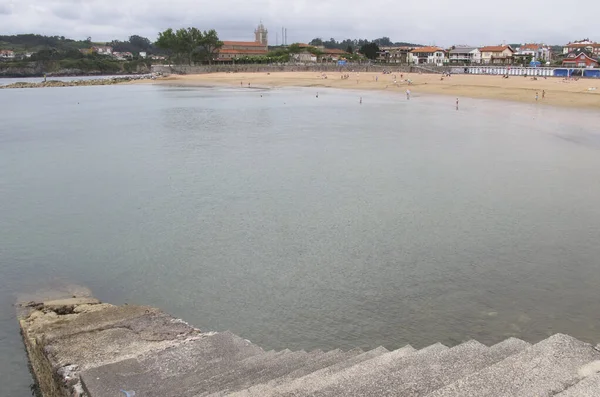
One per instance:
(66, 336)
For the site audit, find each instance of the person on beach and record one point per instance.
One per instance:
(543, 94)
(456, 103)
(536, 96)
(407, 94)
(241, 83)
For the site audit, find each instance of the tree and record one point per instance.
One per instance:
(190, 44)
(295, 48)
(317, 42)
(210, 43)
(167, 41)
(141, 43)
(383, 41)
(370, 50)
(349, 49)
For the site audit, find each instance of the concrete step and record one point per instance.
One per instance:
(243, 378)
(587, 387)
(362, 373)
(147, 373)
(423, 372)
(325, 361)
(304, 384)
(315, 364)
(543, 369)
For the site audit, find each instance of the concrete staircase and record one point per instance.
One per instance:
(100, 350)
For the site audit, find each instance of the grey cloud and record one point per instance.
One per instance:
(434, 21)
(6, 9)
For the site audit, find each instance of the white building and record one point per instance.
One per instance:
(434, 56)
(538, 52)
(7, 54)
(464, 55)
(102, 50)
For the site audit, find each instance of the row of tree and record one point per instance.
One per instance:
(356, 43)
(189, 44)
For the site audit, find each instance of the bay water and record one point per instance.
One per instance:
(302, 222)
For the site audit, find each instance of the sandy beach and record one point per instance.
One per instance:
(582, 93)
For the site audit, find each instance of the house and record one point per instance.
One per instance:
(122, 56)
(538, 52)
(102, 50)
(579, 60)
(143, 54)
(464, 55)
(585, 44)
(499, 54)
(394, 54)
(428, 55)
(304, 56)
(7, 54)
(333, 54)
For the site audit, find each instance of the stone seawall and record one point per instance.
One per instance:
(250, 68)
(80, 347)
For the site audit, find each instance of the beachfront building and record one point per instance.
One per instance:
(579, 59)
(240, 49)
(585, 44)
(434, 56)
(537, 52)
(499, 55)
(463, 55)
(232, 50)
(7, 54)
(394, 54)
(332, 54)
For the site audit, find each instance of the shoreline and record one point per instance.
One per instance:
(583, 93)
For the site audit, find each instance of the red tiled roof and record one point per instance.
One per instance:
(243, 43)
(245, 52)
(427, 49)
(582, 45)
(496, 48)
(334, 51)
(533, 47)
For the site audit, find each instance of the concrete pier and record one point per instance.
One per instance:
(79, 346)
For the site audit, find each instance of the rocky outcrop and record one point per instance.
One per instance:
(79, 346)
(76, 83)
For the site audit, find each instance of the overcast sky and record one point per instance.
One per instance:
(439, 22)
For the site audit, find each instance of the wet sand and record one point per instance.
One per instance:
(559, 92)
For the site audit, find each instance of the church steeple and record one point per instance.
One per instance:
(261, 34)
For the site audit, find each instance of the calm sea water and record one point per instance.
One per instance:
(299, 222)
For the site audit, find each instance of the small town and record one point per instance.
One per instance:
(583, 53)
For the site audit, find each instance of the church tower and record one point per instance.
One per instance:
(260, 35)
